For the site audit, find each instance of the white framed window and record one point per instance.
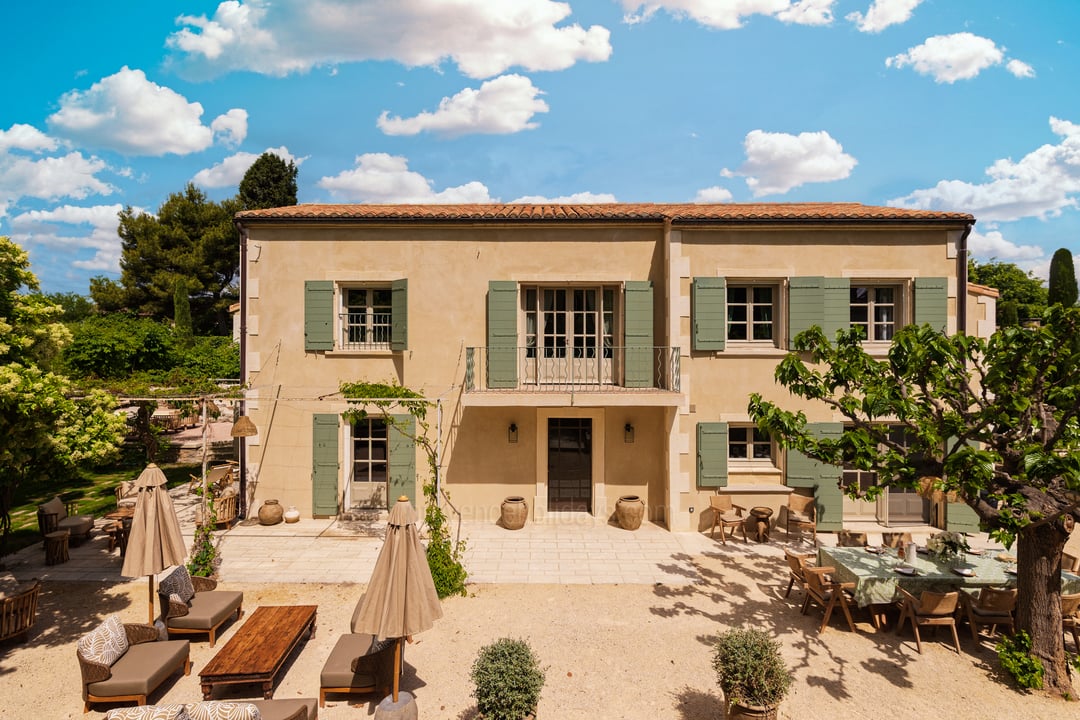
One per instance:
(366, 318)
(579, 322)
(747, 443)
(751, 313)
(876, 310)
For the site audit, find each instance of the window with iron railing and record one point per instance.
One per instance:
(366, 318)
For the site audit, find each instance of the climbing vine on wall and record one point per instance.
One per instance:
(443, 554)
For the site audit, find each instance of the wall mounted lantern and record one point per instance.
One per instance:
(511, 433)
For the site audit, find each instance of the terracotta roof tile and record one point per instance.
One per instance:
(626, 212)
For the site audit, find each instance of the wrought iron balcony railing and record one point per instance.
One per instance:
(564, 369)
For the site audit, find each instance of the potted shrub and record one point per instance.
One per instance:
(507, 679)
(751, 672)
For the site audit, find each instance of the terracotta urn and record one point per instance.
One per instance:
(270, 512)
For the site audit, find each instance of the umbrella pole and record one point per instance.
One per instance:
(151, 596)
(397, 668)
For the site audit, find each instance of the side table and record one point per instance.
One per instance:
(56, 547)
(762, 515)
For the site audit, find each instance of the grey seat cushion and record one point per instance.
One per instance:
(209, 609)
(142, 668)
(284, 708)
(338, 672)
(77, 524)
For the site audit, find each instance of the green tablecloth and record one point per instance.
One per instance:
(876, 580)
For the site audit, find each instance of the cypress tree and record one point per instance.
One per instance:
(1062, 288)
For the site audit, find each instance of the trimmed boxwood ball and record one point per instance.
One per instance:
(507, 677)
(750, 669)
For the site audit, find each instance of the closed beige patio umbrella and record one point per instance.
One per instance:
(401, 599)
(155, 542)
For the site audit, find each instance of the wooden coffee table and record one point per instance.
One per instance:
(258, 650)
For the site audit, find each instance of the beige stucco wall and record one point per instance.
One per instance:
(448, 270)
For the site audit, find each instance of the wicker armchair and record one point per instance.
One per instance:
(801, 512)
(204, 613)
(18, 610)
(726, 514)
(144, 666)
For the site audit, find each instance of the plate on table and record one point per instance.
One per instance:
(1006, 558)
(974, 551)
(922, 551)
(872, 549)
(966, 572)
(1011, 570)
(905, 570)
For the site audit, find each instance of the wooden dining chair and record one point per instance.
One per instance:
(895, 539)
(992, 606)
(823, 591)
(1070, 617)
(726, 514)
(1070, 562)
(801, 512)
(930, 609)
(797, 564)
(850, 538)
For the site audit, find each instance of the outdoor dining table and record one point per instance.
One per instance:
(876, 578)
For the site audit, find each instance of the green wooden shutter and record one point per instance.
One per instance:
(712, 454)
(319, 315)
(931, 302)
(324, 455)
(638, 331)
(836, 306)
(402, 459)
(399, 315)
(802, 471)
(959, 517)
(708, 297)
(502, 334)
(806, 305)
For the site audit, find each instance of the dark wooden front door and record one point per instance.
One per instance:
(569, 464)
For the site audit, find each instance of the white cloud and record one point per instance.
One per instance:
(778, 162)
(581, 198)
(949, 58)
(882, 14)
(729, 14)
(483, 38)
(128, 113)
(231, 127)
(383, 178)
(1020, 69)
(53, 229)
(501, 106)
(1041, 184)
(230, 171)
(25, 137)
(714, 194)
(72, 175)
(993, 244)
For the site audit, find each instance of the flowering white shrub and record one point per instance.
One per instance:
(947, 543)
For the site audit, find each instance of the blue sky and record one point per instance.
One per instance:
(967, 105)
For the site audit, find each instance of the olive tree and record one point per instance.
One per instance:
(995, 421)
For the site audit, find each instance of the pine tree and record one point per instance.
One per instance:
(269, 182)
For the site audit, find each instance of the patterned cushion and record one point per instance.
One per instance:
(217, 710)
(178, 583)
(149, 712)
(105, 643)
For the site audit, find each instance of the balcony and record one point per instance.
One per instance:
(561, 370)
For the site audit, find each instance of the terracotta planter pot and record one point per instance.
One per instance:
(270, 512)
(629, 511)
(514, 512)
(750, 712)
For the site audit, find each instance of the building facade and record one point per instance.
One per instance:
(571, 354)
